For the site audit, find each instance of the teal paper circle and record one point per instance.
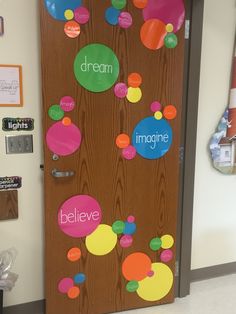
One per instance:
(96, 67)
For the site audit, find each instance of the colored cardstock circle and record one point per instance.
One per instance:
(129, 152)
(65, 284)
(63, 140)
(79, 278)
(122, 140)
(166, 256)
(170, 112)
(167, 241)
(102, 241)
(67, 103)
(171, 41)
(79, 216)
(132, 286)
(74, 254)
(121, 90)
(82, 15)
(72, 29)
(155, 244)
(158, 115)
(118, 227)
(125, 20)
(73, 292)
(57, 8)
(136, 266)
(140, 4)
(153, 33)
(55, 112)
(134, 80)
(112, 16)
(96, 67)
(152, 138)
(155, 106)
(171, 11)
(126, 241)
(134, 94)
(119, 4)
(69, 14)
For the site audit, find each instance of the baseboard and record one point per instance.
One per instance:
(213, 271)
(38, 307)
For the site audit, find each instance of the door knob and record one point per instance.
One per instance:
(62, 174)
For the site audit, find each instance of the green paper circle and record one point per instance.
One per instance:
(118, 227)
(96, 67)
(155, 244)
(132, 286)
(118, 4)
(55, 112)
(171, 40)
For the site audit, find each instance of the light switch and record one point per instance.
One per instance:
(19, 144)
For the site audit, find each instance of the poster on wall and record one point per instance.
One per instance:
(11, 94)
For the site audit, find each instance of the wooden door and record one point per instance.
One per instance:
(130, 265)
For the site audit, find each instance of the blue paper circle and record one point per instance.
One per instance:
(130, 228)
(112, 16)
(152, 138)
(56, 8)
(79, 278)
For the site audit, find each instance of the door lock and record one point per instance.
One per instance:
(62, 174)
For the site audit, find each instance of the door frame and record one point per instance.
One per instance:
(193, 47)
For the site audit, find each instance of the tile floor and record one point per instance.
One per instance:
(214, 296)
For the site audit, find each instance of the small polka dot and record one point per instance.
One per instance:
(66, 121)
(134, 94)
(69, 14)
(73, 293)
(169, 28)
(158, 115)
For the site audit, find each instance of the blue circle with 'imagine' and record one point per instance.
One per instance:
(57, 8)
(152, 138)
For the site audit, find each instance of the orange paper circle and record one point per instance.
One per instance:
(66, 121)
(140, 4)
(123, 140)
(170, 112)
(74, 254)
(136, 266)
(72, 29)
(153, 33)
(134, 80)
(73, 292)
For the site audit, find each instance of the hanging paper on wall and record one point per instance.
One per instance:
(17, 124)
(10, 183)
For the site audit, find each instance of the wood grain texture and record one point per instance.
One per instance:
(148, 189)
(8, 205)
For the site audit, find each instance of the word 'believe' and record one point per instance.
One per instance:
(78, 216)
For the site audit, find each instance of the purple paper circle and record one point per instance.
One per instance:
(125, 20)
(129, 152)
(155, 106)
(65, 285)
(67, 103)
(81, 15)
(126, 241)
(63, 140)
(79, 216)
(166, 256)
(150, 273)
(171, 11)
(131, 219)
(121, 90)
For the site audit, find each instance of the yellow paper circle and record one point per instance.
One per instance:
(159, 285)
(169, 28)
(158, 115)
(102, 241)
(69, 14)
(167, 241)
(134, 94)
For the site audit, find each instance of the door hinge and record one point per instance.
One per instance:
(181, 154)
(176, 268)
(187, 29)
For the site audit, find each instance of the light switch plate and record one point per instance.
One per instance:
(19, 144)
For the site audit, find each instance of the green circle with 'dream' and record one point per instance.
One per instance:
(118, 227)
(55, 112)
(96, 68)
(155, 244)
(118, 4)
(132, 286)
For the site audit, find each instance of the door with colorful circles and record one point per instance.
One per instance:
(112, 83)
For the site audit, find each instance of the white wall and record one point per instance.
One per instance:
(20, 45)
(214, 226)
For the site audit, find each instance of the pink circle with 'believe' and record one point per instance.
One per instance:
(121, 90)
(65, 285)
(125, 20)
(79, 216)
(126, 241)
(67, 103)
(81, 15)
(166, 256)
(63, 140)
(129, 152)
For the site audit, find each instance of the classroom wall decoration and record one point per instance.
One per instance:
(222, 143)
(113, 118)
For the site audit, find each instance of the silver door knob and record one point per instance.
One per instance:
(62, 174)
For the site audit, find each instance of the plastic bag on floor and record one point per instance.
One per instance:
(7, 278)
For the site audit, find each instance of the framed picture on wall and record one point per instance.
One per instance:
(11, 90)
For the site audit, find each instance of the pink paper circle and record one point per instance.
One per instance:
(125, 20)
(81, 15)
(126, 241)
(79, 216)
(131, 219)
(129, 152)
(65, 285)
(63, 140)
(155, 106)
(166, 256)
(171, 11)
(121, 90)
(67, 103)
(150, 273)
